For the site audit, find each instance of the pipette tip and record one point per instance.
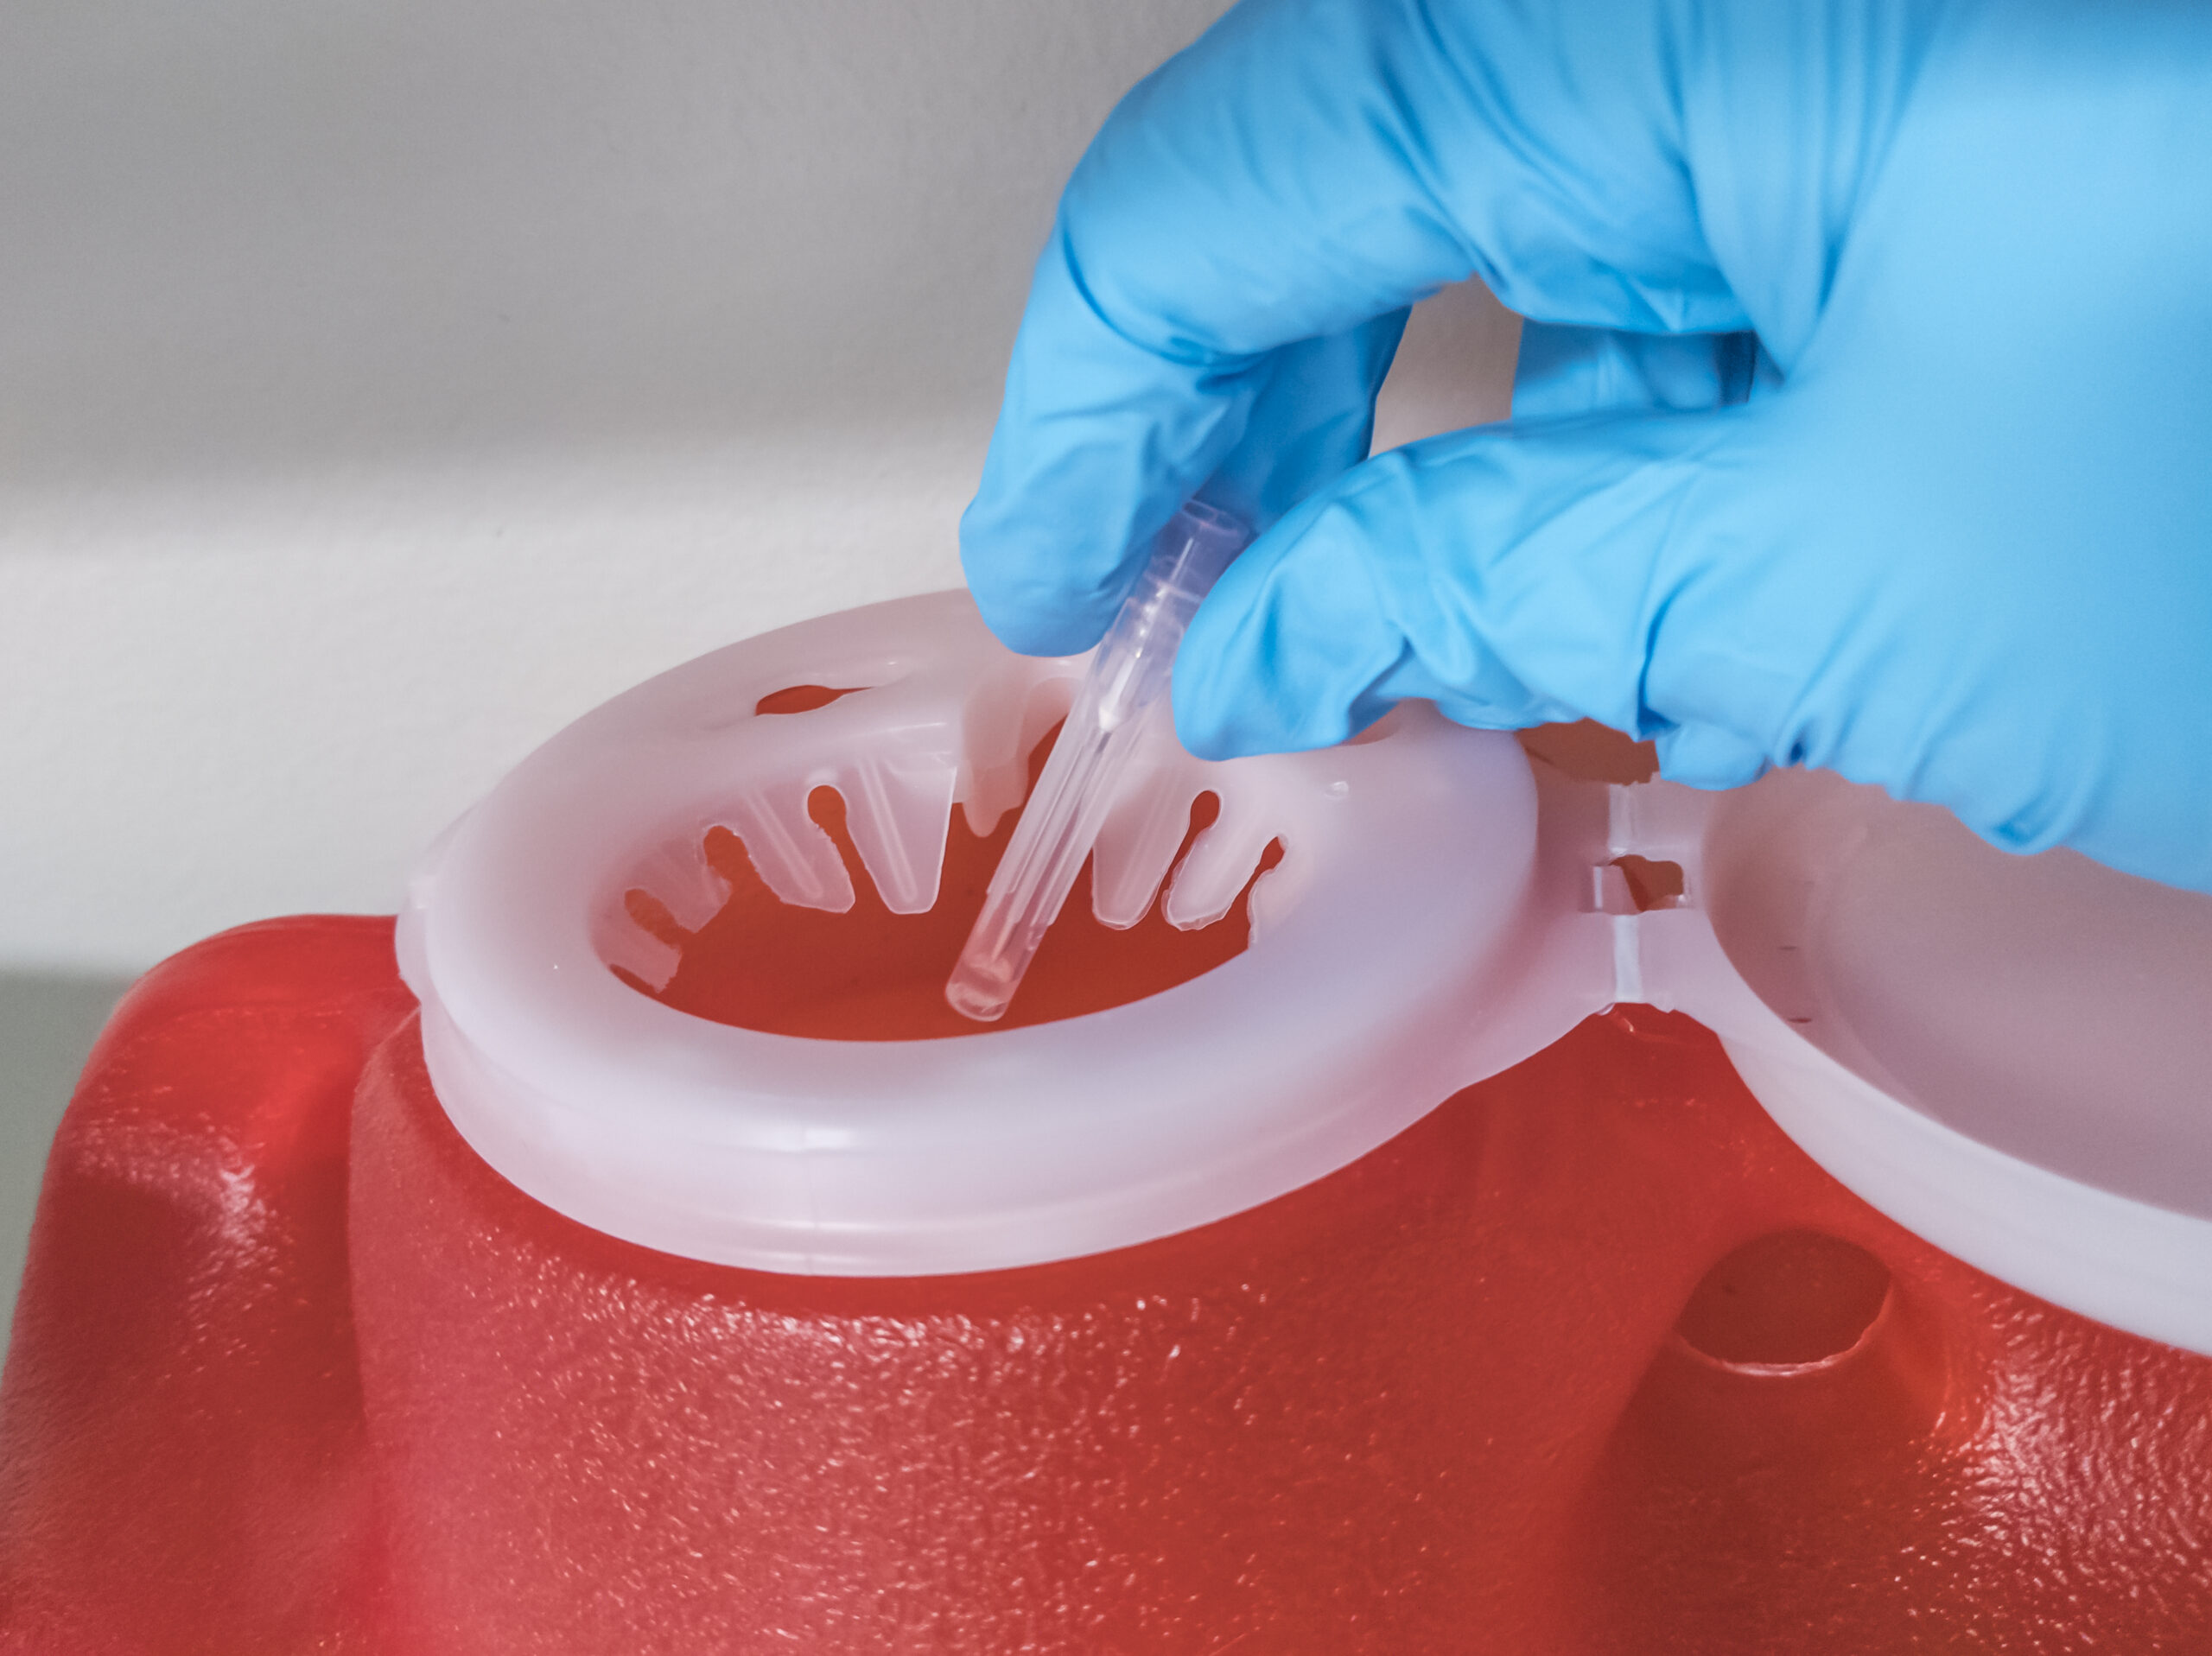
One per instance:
(984, 1003)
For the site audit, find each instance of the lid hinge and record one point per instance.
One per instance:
(1655, 836)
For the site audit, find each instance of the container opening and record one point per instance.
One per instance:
(1651, 885)
(801, 698)
(868, 974)
(1593, 751)
(1791, 1301)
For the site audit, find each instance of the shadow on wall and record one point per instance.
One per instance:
(47, 1023)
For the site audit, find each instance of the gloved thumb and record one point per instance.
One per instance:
(1516, 574)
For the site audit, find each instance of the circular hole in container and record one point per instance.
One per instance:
(1793, 1301)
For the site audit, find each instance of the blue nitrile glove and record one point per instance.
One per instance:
(1872, 427)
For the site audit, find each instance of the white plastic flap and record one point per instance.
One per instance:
(2012, 1055)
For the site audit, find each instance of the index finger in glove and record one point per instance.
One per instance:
(1218, 300)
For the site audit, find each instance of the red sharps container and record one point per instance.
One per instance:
(1348, 1243)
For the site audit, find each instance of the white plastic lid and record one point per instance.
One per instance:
(2007, 1054)
(1339, 1025)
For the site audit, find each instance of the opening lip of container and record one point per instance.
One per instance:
(1328, 1035)
(1753, 1369)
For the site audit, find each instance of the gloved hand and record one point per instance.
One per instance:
(1864, 418)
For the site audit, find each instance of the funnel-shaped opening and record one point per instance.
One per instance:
(867, 973)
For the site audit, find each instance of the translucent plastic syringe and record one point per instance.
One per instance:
(1126, 680)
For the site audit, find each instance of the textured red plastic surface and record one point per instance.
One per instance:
(181, 1457)
(1438, 1402)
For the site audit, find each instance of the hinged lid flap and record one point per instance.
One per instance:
(2012, 1055)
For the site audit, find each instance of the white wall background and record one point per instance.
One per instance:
(384, 381)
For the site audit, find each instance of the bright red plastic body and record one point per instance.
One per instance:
(294, 1371)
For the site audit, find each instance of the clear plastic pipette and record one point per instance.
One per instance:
(1081, 779)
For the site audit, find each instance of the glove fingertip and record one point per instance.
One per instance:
(1200, 724)
(1029, 587)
